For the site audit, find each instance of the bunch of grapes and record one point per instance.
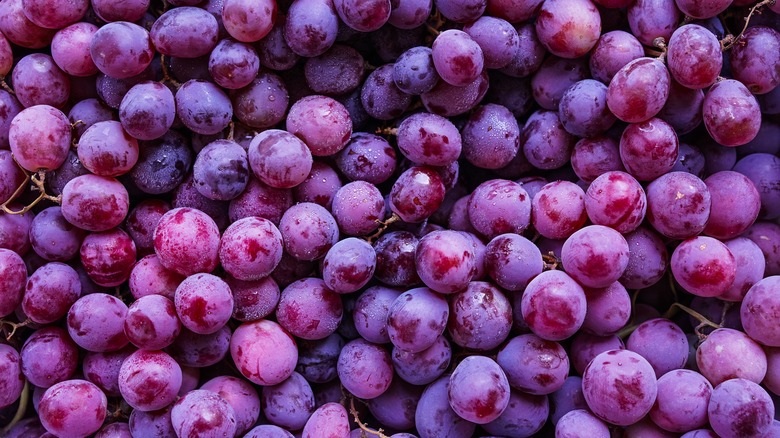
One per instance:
(390, 218)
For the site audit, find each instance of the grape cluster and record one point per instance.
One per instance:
(390, 218)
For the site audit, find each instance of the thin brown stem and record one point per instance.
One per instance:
(755, 9)
(14, 326)
(231, 130)
(38, 179)
(166, 74)
(387, 130)
(660, 43)
(551, 261)
(383, 226)
(364, 427)
(5, 86)
(698, 316)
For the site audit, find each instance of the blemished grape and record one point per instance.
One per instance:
(613, 50)
(321, 122)
(553, 305)
(417, 194)
(39, 137)
(754, 59)
(512, 261)
(248, 21)
(147, 110)
(121, 49)
(478, 390)
(445, 261)
(740, 395)
(568, 29)
(639, 90)
(731, 113)
(311, 27)
(74, 407)
(309, 310)
(204, 303)
(703, 266)
(595, 256)
(330, 419)
(678, 205)
(48, 356)
(149, 380)
(617, 200)
(757, 312)
(203, 412)
(13, 379)
(365, 369)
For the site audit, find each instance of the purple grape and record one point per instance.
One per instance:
(662, 343)
(396, 407)
(309, 310)
(731, 114)
(566, 399)
(650, 19)
(554, 77)
(764, 171)
(357, 207)
(70, 49)
(434, 417)
(317, 360)
(348, 265)
(458, 58)
(558, 209)
(330, 419)
(203, 107)
(50, 292)
(185, 32)
(39, 81)
(480, 317)
(649, 149)
(592, 157)
(248, 21)
(73, 408)
(553, 305)
(639, 90)
(728, 354)
(250, 248)
(612, 51)
(478, 390)
(429, 139)
(753, 59)
(568, 29)
(380, 96)
(122, 50)
(149, 380)
(279, 159)
(147, 110)
(425, 366)
(395, 254)
(491, 137)
(595, 256)
(308, 231)
(149, 277)
(681, 405)
(609, 309)
(728, 218)
(48, 356)
(703, 266)
(241, 396)
(155, 424)
(445, 261)
(416, 319)
(203, 412)
(261, 200)
(151, 322)
(364, 369)
(102, 369)
(409, 14)
(739, 407)
(545, 143)
(195, 350)
(39, 137)
(127, 11)
(617, 200)
(186, 241)
(262, 103)
(105, 149)
(512, 261)
(367, 157)
(448, 100)
(580, 422)
(13, 276)
(678, 205)
(288, 404)
(417, 194)
(750, 266)
(757, 310)
(584, 347)
(163, 164)
(249, 348)
(338, 71)
(363, 16)
(273, 50)
(204, 303)
(321, 122)
(311, 27)
(534, 365)
(96, 322)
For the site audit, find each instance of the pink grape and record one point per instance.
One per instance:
(568, 29)
(639, 90)
(73, 408)
(149, 380)
(186, 241)
(731, 114)
(703, 266)
(249, 346)
(478, 390)
(553, 305)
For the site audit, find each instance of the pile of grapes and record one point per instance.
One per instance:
(390, 218)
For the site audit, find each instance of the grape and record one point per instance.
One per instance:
(566, 399)
(48, 357)
(435, 418)
(429, 139)
(364, 369)
(739, 407)
(308, 231)
(102, 369)
(728, 354)
(568, 29)
(416, 194)
(321, 122)
(311, 27)
(580, 422)
(185, 32)
(554, 77)
(262, 103)
(491, 137)
(367, 157)
(546, 144)
(681, 405)
(731, 114)
(683, 109)
(358, 207)
(241, 396)
(558, 209)
(121, 50)
(50, 292)
(639, 90)
(195, 350)
(649, 149)
(595, 256)
(499, 206)
(249, 348)
(445, 261)
(553, 305)
(273, 51)
(147, 110)
(609, 309)
(423, 367)
(330, 419)
(497, 38)
(409, 14)
(250, 248)
(39, 137)
(6, 56)
(149, 277)
(478, 390)
(448, 100)
(754, 59)
(248, 21)
(336, 72)
(203, 107)
(9, 108)
(258, 199)
(480, 317)
(458, 58)
(514, 11)
(96, 322)
(73, 408)
(320, 186)
(317, 359)
(309, 310)
(163, 164)
(757, 310)
(109, 11)
(650, 19)
(204, 303)
(534, 365)
(288, 404)
(764, 171)
(395, 255)
(529, 54)
(612, 51)
(279, 159)
(380, 96)
(662, 343)
(268, 431)
(53, 238)
(105, 149)
(151, 322)
(370, 313)
(203, 412)
(70, 49)
(416, 319)
(13, 276)
(704, 9)
(647, 259)
(583, 109)
(155, 424)
(348, 265)
(694, 56)
(585, 347)
(727, 218)
(121, 430)
(396, 406)
(149, 380)
(186, 241)
(678, 205)
(221, 170)
(619, 386)
(617, 200)
(703, 266)
(39, 81)
(750, 265)
(592, 157)
(512, 261)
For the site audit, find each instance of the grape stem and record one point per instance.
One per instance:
(5, 86)
(166, 74)
(698, 316)
(14, 326)
(231, 130)
(384, 224)
(386, 131)
(729, 41)
(20, 411)
(660, 43)
(551, 261)
(37, 180)
(376, 432)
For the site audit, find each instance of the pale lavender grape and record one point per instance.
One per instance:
(367, 157)
(149, 277)
(553, 305)
(203, 107)
(558, 209)
(204, 303)
(121, 49)
(279, 159)
(568, 398)
(395, 254)
(370, 313)
(414, 71)
(445, 261)
(764, 171)
(248, 21)
(259, 199)
(416, 319)
(568, 29)
(13, 276)
(381, 97)
(50, 291)
(694, 56)
(53, 238)
(728, 354)
(750, 266)
(273, 51)
(758, 309)
(39, 137)
(649, 149)
(126, 11)
(186, 241)
(731, 114)
(338, 71)
(448, 100)
(70, 49)
(739, 407)
(584, 347)
(262, 103)
(409, 14)
(592, 157)
(309, 310)
(9, 108)
(579, 423)
(662, 343)
(639, 90)
(308, 231)
(650, 19)
(365, 369)
(678, 205)
(320, 186)
(735, 204)
(317, 359)
(609, 309)
(703, 266)
(288, 404)
(163, 164)
(221, 170)
(497, 38)
(683, 108)
(348, 265)
(583, 109)
(478, 390)
(102, 369)
(595, 256)
(534, 365)
(754, 59)
(240, 395)
(357, 208)
(203, 412)
(311, 27)
(38, 80)
(73, 408)
(96, 322)
(416, 194)
(249, 348)
(512, 261)
(681, 404)
(151, 322)
(147, 110)
(647, 259)
(425, 366)
(105, 149)
(617, 200)
(195, 350)
(619, 386)
(480, 317)
(321, 122)
(330, 419)
(499, 206)
(613, 50)
(491, 137)
(545, 143)
(48, 356)
(185, 32)
(149, 380)
(435, 418)
(554, 77)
